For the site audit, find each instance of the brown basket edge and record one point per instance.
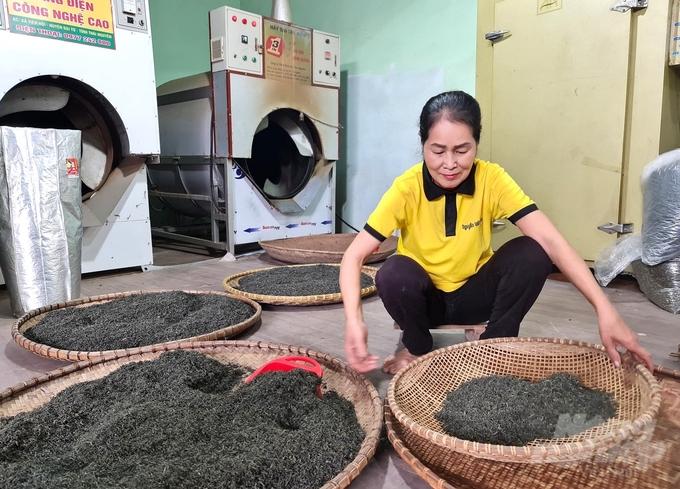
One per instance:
(277, 250)
(422, 470)
(300, 300)
(75, 355)
(666, 372)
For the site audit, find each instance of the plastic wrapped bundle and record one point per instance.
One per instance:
(660, 283)
(40, 216)
(614, 259)
(661, 209)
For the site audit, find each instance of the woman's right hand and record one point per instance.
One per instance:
(356, 348)
(356, 333)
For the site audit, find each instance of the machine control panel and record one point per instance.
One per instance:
(236, 40)
(131, 15)
(2, 15)
(326, 59)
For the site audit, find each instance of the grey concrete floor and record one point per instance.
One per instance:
(560, 311)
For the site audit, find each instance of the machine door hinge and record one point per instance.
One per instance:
(625, 5)
(616, 227)
(495, 36)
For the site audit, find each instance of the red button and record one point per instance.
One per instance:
(234, 18)
(254, 23)
(245, 21)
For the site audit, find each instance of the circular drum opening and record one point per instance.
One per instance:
(284, 153)
(45, 103)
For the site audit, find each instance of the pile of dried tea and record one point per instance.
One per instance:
(507, 410)
(138, 320)
(297, 281)
(182, 421)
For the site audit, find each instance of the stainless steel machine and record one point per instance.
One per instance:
(88, 65)
(252, 145)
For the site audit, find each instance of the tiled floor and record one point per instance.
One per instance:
(559, 312)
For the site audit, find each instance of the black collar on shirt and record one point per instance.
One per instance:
(434, 191)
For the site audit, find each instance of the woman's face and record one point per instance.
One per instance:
(449, 153)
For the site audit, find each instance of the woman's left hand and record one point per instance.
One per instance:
(614, 333)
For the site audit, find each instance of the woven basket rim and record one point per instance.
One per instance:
(75, 355)
(422, 470)
(539, 453)
(674, 374)
(294, 300)
(277, 247)
(340, 481)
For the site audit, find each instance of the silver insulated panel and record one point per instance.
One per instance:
(40, 216)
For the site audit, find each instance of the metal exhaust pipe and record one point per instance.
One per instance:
(281, 11)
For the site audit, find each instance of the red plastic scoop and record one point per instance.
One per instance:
(286, 364)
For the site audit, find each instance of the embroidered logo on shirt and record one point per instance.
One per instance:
(472, 225)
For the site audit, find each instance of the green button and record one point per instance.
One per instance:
(254, 60)
(245, 58)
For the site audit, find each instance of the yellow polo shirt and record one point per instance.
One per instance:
(448, 231)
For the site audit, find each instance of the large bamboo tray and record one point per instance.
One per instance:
(649, 461)
(338, 376)
(231, 283)
(322, 248)
(33, 317)
(418, 391)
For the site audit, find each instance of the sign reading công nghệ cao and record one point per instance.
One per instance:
(80, 21)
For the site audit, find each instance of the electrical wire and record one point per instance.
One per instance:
(334, 126)
(155, 208)
(212, 167)
(346, 223)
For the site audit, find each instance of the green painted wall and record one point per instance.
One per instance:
(179, 31)
(379, 36)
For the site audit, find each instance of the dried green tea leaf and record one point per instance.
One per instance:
(507, 410)
(182, 421)
(297, 281)
(138, 320)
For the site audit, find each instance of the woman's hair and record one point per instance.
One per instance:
(456, 106)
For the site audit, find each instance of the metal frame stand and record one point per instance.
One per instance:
(217, 216)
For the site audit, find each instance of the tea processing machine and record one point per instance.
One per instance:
(251, 146)
(88, 65)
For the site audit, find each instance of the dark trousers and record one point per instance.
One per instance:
(501, 292)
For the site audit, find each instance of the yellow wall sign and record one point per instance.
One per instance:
(548, 5)
(288, 52)
(80, 21)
